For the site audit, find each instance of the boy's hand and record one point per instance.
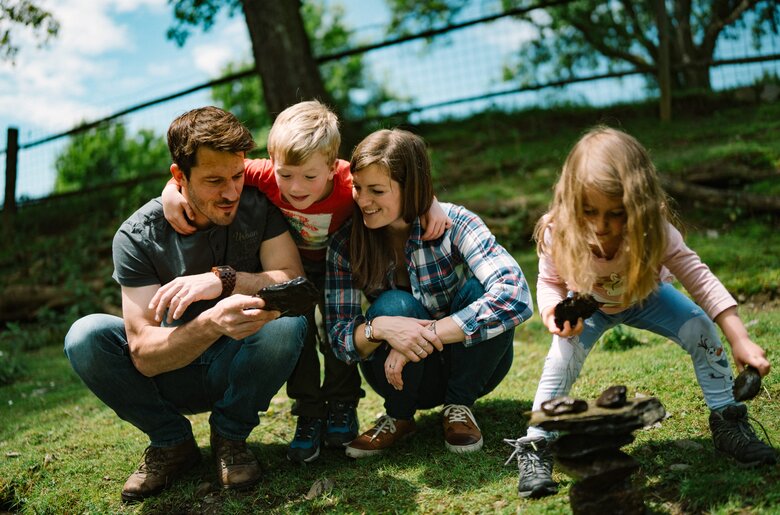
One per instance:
(435, 222)
(175, 207)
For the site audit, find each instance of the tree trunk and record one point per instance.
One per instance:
(282, 53)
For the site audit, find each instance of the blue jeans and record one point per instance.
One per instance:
(457, 375)
(234, 379)
(666, 312)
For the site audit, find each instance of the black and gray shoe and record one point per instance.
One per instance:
(733, 435)
(535, 464)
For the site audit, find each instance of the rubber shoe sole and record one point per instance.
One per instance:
(463, 449)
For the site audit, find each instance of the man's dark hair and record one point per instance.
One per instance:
(209, 127)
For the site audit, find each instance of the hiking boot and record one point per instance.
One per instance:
(535, 464)
(342, 426)
(305, 446)
(236, 466)
(386, 431)
(733, 435)
(461, 432)
(160, 465)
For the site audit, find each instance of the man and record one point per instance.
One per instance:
(192, 338)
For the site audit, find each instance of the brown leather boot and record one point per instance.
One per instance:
(160, 465)
(236, 466)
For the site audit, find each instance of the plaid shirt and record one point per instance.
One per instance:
(437, 271)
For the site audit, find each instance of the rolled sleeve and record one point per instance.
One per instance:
(507, 301)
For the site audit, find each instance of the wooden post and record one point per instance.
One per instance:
(11, 153)
(664, 64)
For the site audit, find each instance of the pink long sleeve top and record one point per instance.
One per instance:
(679, 261)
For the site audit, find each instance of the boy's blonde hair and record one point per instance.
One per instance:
(303, 129)
(617, 165)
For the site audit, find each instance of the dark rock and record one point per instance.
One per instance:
(563, 405)
(575, 307)
(292, 298)
(747, 384)
(600, 469)
(612, 397)
(572, 445)
(619, 499)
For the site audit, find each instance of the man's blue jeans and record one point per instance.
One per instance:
(234, 379)
(457, 375)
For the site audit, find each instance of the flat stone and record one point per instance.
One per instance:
(600, 469)
(570, 445)
(637, 413)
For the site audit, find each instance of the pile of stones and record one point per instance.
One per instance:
(588, 448)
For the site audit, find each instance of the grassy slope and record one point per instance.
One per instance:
(61, 451)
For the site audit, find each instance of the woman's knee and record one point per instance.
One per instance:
(397, 303)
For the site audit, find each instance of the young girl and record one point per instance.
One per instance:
(608, 234)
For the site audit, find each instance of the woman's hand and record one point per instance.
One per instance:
(394, 365)
(411, 337)
(548, 318)
(175, 207)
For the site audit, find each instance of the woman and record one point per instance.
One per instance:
(441, 322)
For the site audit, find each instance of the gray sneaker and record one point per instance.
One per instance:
(733, 435)
(535, 464)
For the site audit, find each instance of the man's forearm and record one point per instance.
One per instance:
(155, 350)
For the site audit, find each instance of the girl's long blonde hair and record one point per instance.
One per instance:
(617, 165)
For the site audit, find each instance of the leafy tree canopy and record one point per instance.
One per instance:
(582, 35)
(109, 154)
(16, 15)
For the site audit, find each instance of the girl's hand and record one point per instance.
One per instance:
(175, 207)
(749, 353)
(405, 335)
(394, 365)
(548, 318)
(435, 222)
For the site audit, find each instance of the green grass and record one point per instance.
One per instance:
(62, 451)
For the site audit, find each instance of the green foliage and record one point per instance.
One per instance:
(619, 338)
(11, 358)
(23, 14)
(109, 154)
(581, 37)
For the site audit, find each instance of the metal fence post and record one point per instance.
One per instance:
(11, 153)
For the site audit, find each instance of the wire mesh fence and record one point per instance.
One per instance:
(456, 72)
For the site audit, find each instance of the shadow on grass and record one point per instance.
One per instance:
(392, 482)
(695, 478)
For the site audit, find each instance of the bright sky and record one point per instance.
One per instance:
(109, 54)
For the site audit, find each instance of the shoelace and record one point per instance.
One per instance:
(305, 431)
(459, 413)
(747, 430)
(234, 452)
(153, 459)
(339, 415)
(532, 459)
(383, 424)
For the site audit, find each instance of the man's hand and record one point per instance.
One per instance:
(239, 316)
(178, 294)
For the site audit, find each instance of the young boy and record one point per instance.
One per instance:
(313, 189)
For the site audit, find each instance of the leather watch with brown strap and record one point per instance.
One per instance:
(227, 275)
